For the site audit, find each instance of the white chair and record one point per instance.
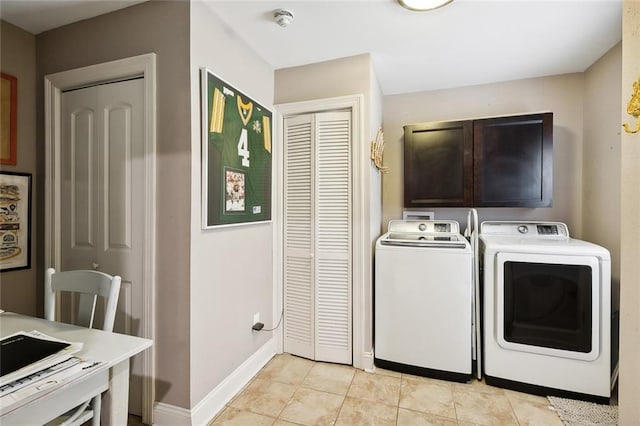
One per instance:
(87, 285)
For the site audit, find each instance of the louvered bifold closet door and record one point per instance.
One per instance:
(299, 290)
(333, 237)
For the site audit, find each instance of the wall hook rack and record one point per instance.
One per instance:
(377, 149)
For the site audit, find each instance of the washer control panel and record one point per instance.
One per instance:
(424, 226)
(547, 229)
(424, 234)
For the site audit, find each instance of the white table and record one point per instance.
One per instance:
(111, 376)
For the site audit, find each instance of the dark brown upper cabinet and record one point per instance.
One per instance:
(438, 164)
(512, 161)
(492, 162)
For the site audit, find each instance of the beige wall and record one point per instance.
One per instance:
(375, 209)
(232, 267)
(563, 95)
(629, 384)
(20, 290)
(161, 27)
(375, 193)
(601, 168)
(339, 77)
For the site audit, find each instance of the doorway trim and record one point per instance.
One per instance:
(361, 356)
(54, 84)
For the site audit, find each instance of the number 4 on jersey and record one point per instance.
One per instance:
(243, 148)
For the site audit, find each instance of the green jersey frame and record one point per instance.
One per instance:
(236, 155)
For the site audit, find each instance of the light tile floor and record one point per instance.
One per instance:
(295, 391)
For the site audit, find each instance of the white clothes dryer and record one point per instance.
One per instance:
(546, 311)
(423, 300)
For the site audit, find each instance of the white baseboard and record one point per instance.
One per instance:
(367, 362)
(214, 402)
(165, 414)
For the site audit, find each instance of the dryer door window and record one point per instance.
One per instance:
(548, 304)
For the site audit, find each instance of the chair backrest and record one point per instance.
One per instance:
(88, 285)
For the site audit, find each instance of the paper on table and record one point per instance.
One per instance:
(37, 388)
(38, 375)
(53, 359)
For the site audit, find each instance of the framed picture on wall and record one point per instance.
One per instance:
(15, 221)
(8, 119)
(236, 155)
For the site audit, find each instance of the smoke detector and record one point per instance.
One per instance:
(283, 17)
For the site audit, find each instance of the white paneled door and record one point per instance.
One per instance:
(318, 236)
(102, 184)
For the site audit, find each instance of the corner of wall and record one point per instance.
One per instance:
(214, 402)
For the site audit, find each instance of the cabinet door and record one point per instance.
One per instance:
(333, 237)
(513, 161)
(318, 236)
(438, 164)
(299, 195)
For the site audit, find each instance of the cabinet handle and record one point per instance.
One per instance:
(95, 265)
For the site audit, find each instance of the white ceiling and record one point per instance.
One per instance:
(465, 43)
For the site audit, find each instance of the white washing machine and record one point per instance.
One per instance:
(547, 311)
(423, 300)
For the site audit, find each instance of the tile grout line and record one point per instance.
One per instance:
(399, 397)
(513, 410)
(298, 386)
(345, 396)
(453, 400)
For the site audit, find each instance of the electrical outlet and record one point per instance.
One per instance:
(256, 317)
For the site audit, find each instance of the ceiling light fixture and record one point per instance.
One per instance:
(423, 5)
(283, 17)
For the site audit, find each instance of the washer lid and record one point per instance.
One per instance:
(424, 226)
(442, 240)
(424, 233)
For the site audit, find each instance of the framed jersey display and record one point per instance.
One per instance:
(236, 155)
